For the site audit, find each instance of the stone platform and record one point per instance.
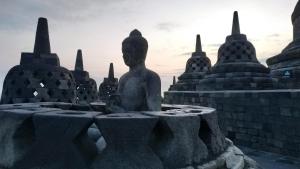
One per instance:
(262, 119)
(59, 136)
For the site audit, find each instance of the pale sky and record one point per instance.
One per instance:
(98, 27)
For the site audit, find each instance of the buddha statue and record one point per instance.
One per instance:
(140, 88)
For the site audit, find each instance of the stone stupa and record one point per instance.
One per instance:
(237, 67)
(39, 77)
(86, 87)
(286, 65)
(196, 67)
(109, 85)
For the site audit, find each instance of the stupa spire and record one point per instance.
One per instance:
(174, 80)
(42, 42)
(235, 24)
(79, 61)
(198, 44)
(111, 71)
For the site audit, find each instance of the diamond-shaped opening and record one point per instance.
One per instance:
(35, 93)
(27, 82)
(42, 84)
(49, 74)
(161, 136)
(24, 135)
(50, 92)
(57, 83)
(19, 92)
(89, 143)
(62, 75)
(205, 133)
(13, 82)
(21, 73)
(35, 74)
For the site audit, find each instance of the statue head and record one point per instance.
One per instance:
(134, 49)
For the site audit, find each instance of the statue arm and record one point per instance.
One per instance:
(153, 92)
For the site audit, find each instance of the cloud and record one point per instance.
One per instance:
(185, 54)
(16, 14)
(167, 26)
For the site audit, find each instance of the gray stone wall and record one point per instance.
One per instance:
(267, 120)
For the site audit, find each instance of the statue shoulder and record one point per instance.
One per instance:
(152, 77)
(123, 77)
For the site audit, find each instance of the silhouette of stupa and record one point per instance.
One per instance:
(196, 67)
(39, 77)
(237, 67)
(109, 85)
(86, 87)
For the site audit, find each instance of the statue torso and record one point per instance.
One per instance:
(133, 90)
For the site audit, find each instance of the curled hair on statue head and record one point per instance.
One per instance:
(138, 42)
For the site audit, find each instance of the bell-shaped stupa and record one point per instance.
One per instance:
(109, 85)
(39, 77)
(237, 67)
(86, 87)
(196, 67)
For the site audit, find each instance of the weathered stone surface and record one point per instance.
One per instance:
(39, 77)
(59, 143)
(127, 137)
(86, 87)
(232, 158)
(52, 138)
(176, 141)
(212, 133)
(258, 118)
(17, 133)
(196, 67)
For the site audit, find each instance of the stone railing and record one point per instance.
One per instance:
(66, 136)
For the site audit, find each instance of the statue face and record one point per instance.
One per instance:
(130, 55)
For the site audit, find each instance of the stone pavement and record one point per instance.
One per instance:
(271, 160)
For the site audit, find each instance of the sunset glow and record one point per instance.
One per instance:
(99, 27)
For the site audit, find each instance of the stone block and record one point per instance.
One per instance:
(127, 136)
(17, 133)
(176, 139)
(61, 141)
